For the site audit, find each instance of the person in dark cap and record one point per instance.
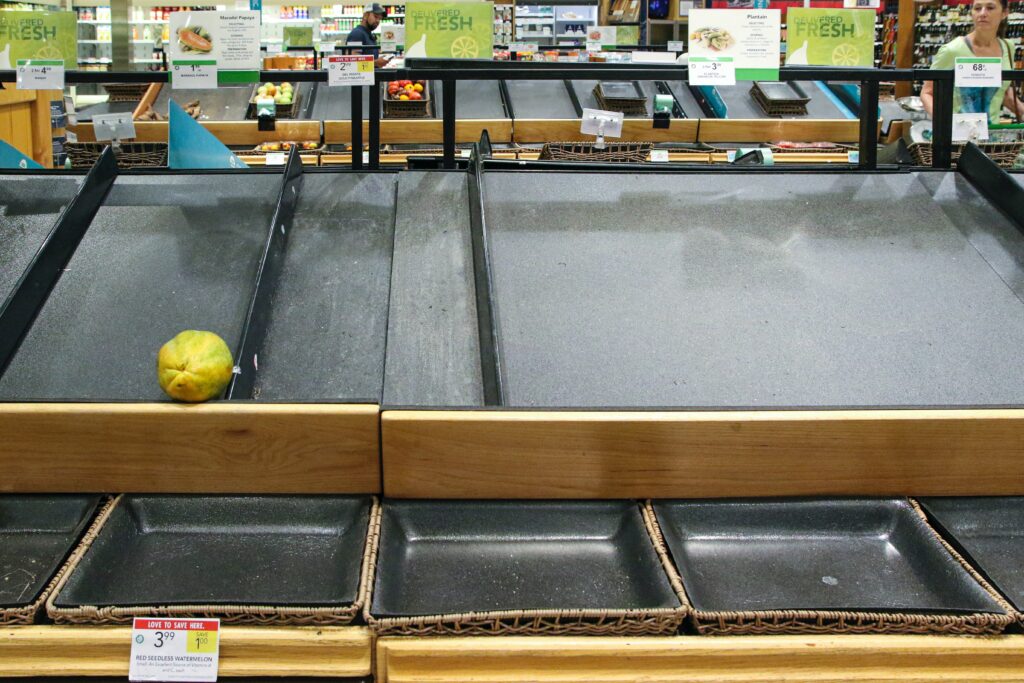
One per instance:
(362, 34)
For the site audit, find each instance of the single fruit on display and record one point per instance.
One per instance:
(403, 97)
(194, 366)
(415, 96)
(418, 87)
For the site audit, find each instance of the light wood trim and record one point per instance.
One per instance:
(421, 131)
(582, 454)
(177, 448)
(633, 130)
(228, 132)
(152, 92)
(244, 651)
(696, 659)
(795, 130)
(11, 96)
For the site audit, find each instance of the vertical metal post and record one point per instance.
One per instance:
(869, 125)
(942, 123)
(357, 127)
(375, 126)
(448, 122)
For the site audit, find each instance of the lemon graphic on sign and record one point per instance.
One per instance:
(465, 47)
(845, 55)
(48, 51)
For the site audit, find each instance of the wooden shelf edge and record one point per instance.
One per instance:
(244, 651)
(700, 659)
(219, 447)
(657, 454)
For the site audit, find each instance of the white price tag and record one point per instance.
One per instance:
(350, 70)
(522, 47)
(659, 155)
(174, 650)
(639, 57)
(199, 74)
(970, 127)
(684, 7)
(465, 153)
(40, 74)
(862, 4)
(326, 47)
(676, 46)
(593, 46)
(276, 159)
(113, 126)
(978, 72)
(366, 158)
(712, 71)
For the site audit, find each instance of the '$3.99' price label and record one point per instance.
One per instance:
(175, 650)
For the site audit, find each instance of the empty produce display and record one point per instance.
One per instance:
(418, 401)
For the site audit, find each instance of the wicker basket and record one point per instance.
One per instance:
(762, 622)
(408, 109)
(541, 622)
(621, 152)
(131, 154)
(228, 614)
(126, 92)
(628, 106)
(281, 111)
(1003, 153)
(813, 149)
(795, 107)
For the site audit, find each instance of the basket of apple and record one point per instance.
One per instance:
(286, 100)
(407, 99)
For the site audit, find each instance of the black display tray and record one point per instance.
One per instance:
(162, 555)
(809, 559)
(511, 566)
(989, 532)
(29, 209)
(36, 534)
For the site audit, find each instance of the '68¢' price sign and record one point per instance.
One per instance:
(175, 650)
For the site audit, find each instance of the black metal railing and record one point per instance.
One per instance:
(450, 71)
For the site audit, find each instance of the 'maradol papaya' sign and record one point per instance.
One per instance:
(463, 30)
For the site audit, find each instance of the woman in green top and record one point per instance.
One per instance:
(985, 40)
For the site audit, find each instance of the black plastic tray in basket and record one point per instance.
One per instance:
(989, 532)
(778, 98)
(224, 550)
(846, 555)
(451, 557)
(36, 534)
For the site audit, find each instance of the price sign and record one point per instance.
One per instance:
(197, 74)
(113, 126)
(659, 155)
(522, 47)
(676, 46)
(978, 72)
(275, 159)
(593, 46)
(712, 71)
(350, 70)
(174, 650)
(40, 74)
(970, 127)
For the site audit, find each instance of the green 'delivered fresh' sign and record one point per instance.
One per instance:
(463, 30)
(38, 35)
(830, 37)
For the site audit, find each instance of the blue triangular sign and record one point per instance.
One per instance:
(192, 146)
(12, 158)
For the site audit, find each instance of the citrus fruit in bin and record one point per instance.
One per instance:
(195, 366)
